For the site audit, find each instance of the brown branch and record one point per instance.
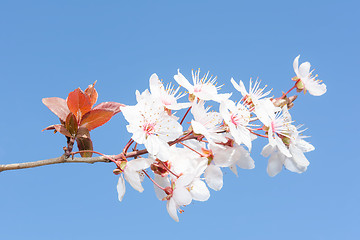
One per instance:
(63, 159)
(50, 161)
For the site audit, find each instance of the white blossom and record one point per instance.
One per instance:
(167, 95)
(150, 124)
(203, 88)
(303, 73)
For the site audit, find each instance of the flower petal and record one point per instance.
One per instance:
(199, 191)
(171, 208)
(214, 177)
(121, 188)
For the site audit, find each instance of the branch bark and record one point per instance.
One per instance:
(91, 160)
(61, 159)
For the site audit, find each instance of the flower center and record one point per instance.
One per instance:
(235, 119)
(197, 88)
(149, 128)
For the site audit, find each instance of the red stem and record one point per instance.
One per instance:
(168, 169)
(153, 181)
(182, 120)
(289, 90)
(191, 149)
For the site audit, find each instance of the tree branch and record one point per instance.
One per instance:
(64, 159)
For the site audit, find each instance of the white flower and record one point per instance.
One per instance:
(237, 117)
(167, 95)
(133, 174)
(255, 93)
(181, 191)
(279, 124)
(231, 156)
(297, 162)
(297, 146)
(303, 73)
(150, 124)
(204, 88)
(207, 123)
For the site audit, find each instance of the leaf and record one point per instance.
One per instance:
(59, 128)
(92, 93)
(110, 106)
(71, 124)
(96, 118)
(83, 133)
(57, 106)
(79, 103)
(84, 144)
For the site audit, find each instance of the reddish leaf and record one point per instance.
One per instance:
(83, 133)
(96, 118)
(85, 144)
(71, 124)
(57, 106)
(79, 103)
(110, 106)
(92, 93)
(59, 128)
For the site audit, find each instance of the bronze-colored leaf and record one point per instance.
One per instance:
(110, 106)
(92, 93)
(83, 132)
(84, 144)
(59, 128)
(71, 124)
(57, 106)
(79, 103)
(96, 118)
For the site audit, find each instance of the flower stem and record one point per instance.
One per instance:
(156, 184)
(182, 120)
(191, 149)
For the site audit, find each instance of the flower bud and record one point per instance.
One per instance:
(299, 86)
(117, 171)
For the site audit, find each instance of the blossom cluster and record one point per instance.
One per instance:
(184, 162)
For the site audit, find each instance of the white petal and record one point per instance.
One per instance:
(181, 196)
(184, 180)
(139, 164)
(152, 144)
(134, 179)
(282, 147)
(299, 157)
(315, 88)
(304, 69)
(304, 146)
(121, 188)
(155, 85)
(182, 81)
(296, 65)
(275, 164)
(240, 87)
(234, 169)
(267, 150)
(171, 208)
(199, 191)
(214, 177)
(163, 182)
(245, 161)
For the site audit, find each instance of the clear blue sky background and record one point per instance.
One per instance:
(49, 48)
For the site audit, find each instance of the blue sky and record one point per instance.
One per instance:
(49, 48)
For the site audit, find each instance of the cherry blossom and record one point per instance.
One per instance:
(150, 124)
(305, 79)
(167, 95)
(237, 117)
(203, 88)
(207, 123)
(133, 175)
